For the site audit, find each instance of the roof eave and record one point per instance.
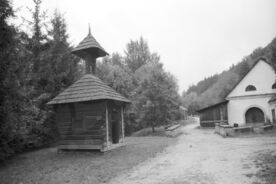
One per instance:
(214, 105)
(57, 103)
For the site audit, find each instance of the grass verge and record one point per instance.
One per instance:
(47, 166)
(267, 167)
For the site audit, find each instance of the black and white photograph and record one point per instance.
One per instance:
(138, 92)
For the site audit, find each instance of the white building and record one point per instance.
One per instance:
(253, 99)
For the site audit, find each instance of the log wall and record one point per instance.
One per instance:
(216, 114)
(81, 125)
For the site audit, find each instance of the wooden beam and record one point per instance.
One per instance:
(92, 147)
(81, 137)
(123, 123)
(81, 142)
(106, 123)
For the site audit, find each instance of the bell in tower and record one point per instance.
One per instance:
(89, 50)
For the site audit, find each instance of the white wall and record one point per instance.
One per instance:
(262, 76)
(237, 108)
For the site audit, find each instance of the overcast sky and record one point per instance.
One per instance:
(195, 38)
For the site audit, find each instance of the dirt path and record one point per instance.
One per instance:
(200, 156)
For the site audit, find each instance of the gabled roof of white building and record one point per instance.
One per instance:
(225, 101)
(253, 66)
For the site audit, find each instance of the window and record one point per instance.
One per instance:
(250, 88)
(274, 86)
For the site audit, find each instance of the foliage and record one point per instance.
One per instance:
(157, 97)
(271, 52)
(191, 101)
(138, 54)
(203, 85)
(60, 67)
(116, 74)
(140, 76)
(37, 65)
(215, 88)
(34, 68)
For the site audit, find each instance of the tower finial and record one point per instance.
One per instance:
(89, 30)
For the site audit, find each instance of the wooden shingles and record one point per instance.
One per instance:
(88, 44)
(88, 88)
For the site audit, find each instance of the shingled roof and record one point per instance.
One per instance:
(88, 88)
(89, 45)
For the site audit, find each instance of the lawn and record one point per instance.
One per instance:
(48, 166)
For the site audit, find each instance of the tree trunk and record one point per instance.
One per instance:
(152, 127)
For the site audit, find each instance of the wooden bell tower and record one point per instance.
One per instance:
(89, 50)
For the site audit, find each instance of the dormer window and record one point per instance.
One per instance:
(250, 88)
(274, 86)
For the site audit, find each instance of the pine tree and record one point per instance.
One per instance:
(60, 67)
(37, 40)
(6, 37)
(10, 94)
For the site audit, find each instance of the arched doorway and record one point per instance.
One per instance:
(254, 115)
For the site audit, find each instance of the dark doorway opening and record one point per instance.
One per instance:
(116, 121)
(273, 116)
(254, 115)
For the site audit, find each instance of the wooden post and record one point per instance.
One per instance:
(221, 115)
(106, 124)
(123, 124)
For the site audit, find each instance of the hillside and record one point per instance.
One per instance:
(214, 88)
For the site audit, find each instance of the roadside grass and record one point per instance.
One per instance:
(48, 166)
(266, 162)
(159, 131)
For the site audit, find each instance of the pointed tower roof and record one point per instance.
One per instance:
(88, 88)
(89, 46)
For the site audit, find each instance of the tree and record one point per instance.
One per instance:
(271, 52)
(59, 68)
(156, 97)
(140, 76)
(12, 75)
(37, 41)
(6, 37)
(138, 54)
(117, 77)
(191, 101)
(243, 69)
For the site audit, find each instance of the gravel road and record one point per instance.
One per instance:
(202, 157)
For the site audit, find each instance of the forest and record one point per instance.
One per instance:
(37, 64)
(215, 88)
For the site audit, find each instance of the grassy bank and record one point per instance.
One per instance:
(267, 164)
(47, 166)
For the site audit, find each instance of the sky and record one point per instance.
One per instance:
(195, 38)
